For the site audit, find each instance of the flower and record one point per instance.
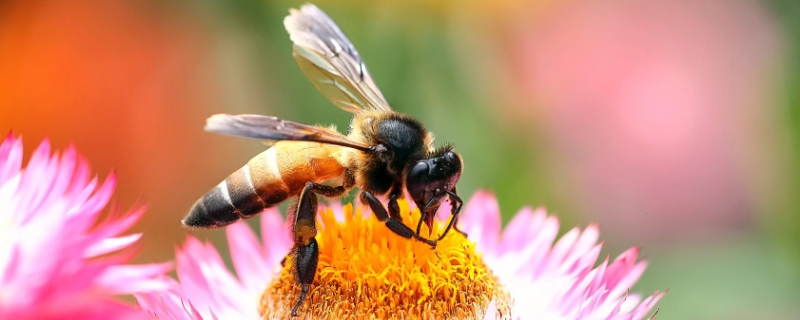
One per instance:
(207, 290)
(364, 269)
(560, 281)
(57, 258)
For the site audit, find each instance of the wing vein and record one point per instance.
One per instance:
(273, 128)
(324, 53)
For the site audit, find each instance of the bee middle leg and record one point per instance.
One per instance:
(395, 225)
(394, 208)
(304, 231)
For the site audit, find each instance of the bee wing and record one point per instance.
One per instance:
(331, 62)
(275, 129)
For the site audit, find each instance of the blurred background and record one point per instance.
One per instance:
(673, 124)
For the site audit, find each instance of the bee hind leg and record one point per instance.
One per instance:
(397, 226)
(304, 229)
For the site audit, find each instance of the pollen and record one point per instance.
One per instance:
(366, 271)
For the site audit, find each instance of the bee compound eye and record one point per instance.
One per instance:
(417, 179)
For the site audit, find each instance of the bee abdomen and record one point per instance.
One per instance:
(213, 210)
(231, 200)
(245, 193)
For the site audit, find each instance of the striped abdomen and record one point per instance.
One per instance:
(266, 180)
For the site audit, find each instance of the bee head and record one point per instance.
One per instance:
(429, 181)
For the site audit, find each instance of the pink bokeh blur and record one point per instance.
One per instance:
(647, 104)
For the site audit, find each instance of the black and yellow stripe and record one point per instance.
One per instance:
(266, 180)
(240, 196)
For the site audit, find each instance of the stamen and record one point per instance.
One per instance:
(366, 271)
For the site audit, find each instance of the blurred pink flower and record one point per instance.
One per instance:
(652, 106)
(57, 259)
(545, 281)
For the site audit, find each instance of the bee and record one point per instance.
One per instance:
(385, 153)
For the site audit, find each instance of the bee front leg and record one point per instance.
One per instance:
(304, 229)
(456, 204)
(393, 224)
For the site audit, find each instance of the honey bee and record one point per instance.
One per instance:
(384, 154)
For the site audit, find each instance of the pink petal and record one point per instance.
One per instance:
(37, 170)
(100, 309)
(11, 266)
(628, 278)
(64, 166)
(247, 257)
(518, 231)
(55, 231)
(622, 265)
(80, 178)
(164, 305)
(100, 198)
(481, 221)
(647, 304)
(617, 308)
(275, 237)
(561, 250)
(491, 311)
(107, 245)
(10, 157)
(586, 242)
(126, 279)
(546, 234)
(113, 225)
(203, 275)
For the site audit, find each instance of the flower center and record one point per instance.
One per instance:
(366, 271)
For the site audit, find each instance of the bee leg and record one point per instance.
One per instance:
(306, 264)
(393, 224)
(454, 212)
(304, 230)
(454, 198)
(394, 208)
(421, 219)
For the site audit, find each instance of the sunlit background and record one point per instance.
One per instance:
(673, 124)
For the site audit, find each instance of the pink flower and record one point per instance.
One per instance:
(533, 277)
(207, 290)
(58, 260)
(554, 281)
(650, 107)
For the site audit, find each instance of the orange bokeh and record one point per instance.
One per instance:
(126, 85)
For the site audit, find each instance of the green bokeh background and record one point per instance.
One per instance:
(409, 52)
(416, 52)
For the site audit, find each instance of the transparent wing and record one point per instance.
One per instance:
(272, 128)
(330, 61)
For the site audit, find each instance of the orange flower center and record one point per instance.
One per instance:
(366, 271)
